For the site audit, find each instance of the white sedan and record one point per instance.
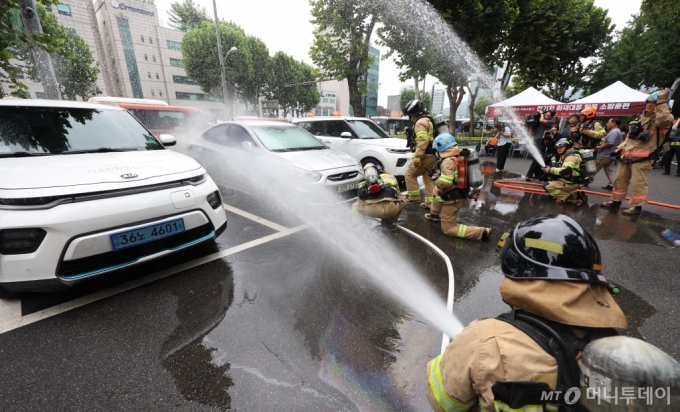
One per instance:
(239, 154)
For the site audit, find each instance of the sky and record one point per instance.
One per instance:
(284, 26)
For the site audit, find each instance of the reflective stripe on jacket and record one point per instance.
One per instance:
(424, 130)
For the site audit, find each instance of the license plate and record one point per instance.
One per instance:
(347, 186)
(139, 236)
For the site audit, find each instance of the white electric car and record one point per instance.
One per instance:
(362, 139)
(85, 189)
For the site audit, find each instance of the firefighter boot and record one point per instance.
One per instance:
(635, 210)
(432, 216)
(611, 203)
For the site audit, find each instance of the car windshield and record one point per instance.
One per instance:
(28, 131)
(177, 121)
(286, 138)
(366, 129)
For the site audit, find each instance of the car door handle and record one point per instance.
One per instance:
(325, 142)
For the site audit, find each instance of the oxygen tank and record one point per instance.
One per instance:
(475, 177)
(636, 376)
(589, 160)
(440, 125)
(372, 179)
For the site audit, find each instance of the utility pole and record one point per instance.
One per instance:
(219, 51)
(43, 61)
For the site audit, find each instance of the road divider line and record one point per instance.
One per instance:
(17, 322)
(255, 218)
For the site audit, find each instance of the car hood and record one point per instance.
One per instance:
(386, 142)
(91, 168)
(318, 160)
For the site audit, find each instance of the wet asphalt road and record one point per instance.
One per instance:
(279, 326)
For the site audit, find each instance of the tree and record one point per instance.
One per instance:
(342, 34)
(292, 83)
(480, 106)
(74, 66)
(546, 45)
(186, 15)
(245, 70)
(407, 95)
(645, 52)
(12, 40)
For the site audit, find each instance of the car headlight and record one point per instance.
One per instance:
(398, 151)
(304, 175)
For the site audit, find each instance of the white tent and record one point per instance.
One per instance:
(614, 100)
(523, 104)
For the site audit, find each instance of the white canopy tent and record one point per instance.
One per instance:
(614, 100)
(523, 104)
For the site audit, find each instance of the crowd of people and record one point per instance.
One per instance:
(625, 156)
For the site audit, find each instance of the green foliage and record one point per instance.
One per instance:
(480, 106)
(12, 40)
(74, 67)
(186, 15)
(646, 52)
(342, 33)
(286, 74)
(408, 95)
(548, 41)
(245, 69)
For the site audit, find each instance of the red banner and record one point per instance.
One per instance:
(519, 111)
(603, 109)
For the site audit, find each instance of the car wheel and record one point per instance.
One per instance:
(6, 294)
(367, 160)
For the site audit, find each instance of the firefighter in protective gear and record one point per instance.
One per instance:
(552, 269)
(423, 158)
(638, 153)
(588, 132)
(565, 175)
(379, 197)
(450, 192)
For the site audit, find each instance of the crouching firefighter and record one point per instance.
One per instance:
(378, 196)
(566, 175)
(552, 351)
(451, 190)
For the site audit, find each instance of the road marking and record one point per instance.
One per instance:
(9, 309)
(12, 323)
(254, 218)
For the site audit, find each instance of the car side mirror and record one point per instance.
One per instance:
(346, 135)
(167, 139)
(247, 146)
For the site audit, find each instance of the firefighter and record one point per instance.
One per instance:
(451, 190)
(588, 132)
(565, 176)
(645, 136)
(552, 269)
(379, 197)
(423, 158)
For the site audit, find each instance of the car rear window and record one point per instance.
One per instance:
(50, 130)
(286, 138)
(366, 129)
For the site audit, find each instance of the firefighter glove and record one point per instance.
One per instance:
(662, 97)
(416, 161)
(546, 169)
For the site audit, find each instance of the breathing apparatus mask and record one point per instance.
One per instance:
(636, 131)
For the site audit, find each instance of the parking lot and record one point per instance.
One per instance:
(266, 320)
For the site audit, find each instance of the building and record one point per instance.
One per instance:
(384, 112)
(373, 82)
(77, 17)
(142, 59)
(438, 100)
(334, 97)
(394, 105)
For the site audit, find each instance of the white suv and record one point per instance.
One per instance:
(362, 139)
(85, 189)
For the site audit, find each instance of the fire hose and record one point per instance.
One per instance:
(517, 185)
